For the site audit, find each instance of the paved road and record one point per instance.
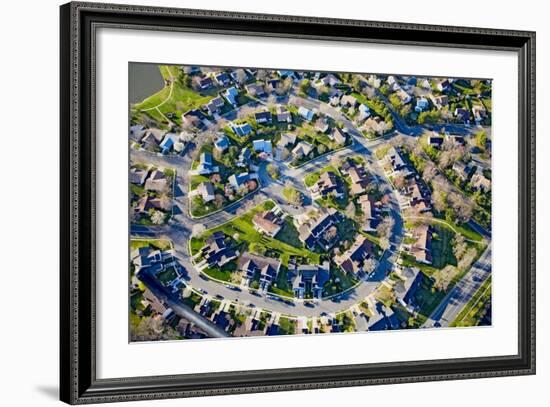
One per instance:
(458, 297)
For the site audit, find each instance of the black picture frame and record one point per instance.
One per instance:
(78, 382)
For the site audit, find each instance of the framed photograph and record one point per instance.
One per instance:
(255, 203)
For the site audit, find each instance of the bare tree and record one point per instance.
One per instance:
(240, 76)
(429, 172)
(440, 200)
(385, 227)
(261, 74)
(459, 246)
(350, 210)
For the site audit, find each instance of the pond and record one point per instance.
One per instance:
(144, 79)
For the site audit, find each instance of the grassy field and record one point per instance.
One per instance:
(442, 247)
(339, 281)
(288, 234)
(161, 244)
(427, 298)
(175, 98)
(243, 228)
(281, 285)
(313, 177)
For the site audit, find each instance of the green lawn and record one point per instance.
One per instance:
(161, 244)
(287, 326)
(381, 152)
(288, 234)
(243, 227)
(427, 298)
(339, 281)
(281, 285)
(311, 179)
(178, 100)
(442, 247)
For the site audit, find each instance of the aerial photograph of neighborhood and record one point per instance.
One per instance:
(269, 202)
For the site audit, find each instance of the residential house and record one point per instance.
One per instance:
(241, 130)
(305, 114)
(422, 105)
(152, 138)
(263, 117)
(363, 113)
(204, 83)
(239, 180)
(384, 318)
(136, 132)
(223, 79)
(287, 139)
(479, 112)
(397, 163)
(302, 149)
(359, 180)
(462, 170)
(150, 260)
(312, 233)
(244, 157)
(263, 269)
(206, 165)
(406, 289)
(339, 136)
(443, 85)
(421, 249)
(206, 191)
(309, 279)
(163, 203)
(348, 101)
(222, 143)
(216, 252)
(195, 118)
(418, 196)
(168, 142)
(435, 140)
(138, 175)
(369, 212)
(255, 90)
(321, 125)
(262, 146)
(403, 96)
(328, 184)
(327, 80)
(457, 139)
(354, 260)
(480, 182)
(215, 105)
(440, 101)
(157, 182)
(283, 115)
(462, 114)
(231, 95)
(268, 222)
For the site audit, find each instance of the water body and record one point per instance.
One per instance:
(143, 80)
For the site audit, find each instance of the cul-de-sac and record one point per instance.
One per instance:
(279, 202)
